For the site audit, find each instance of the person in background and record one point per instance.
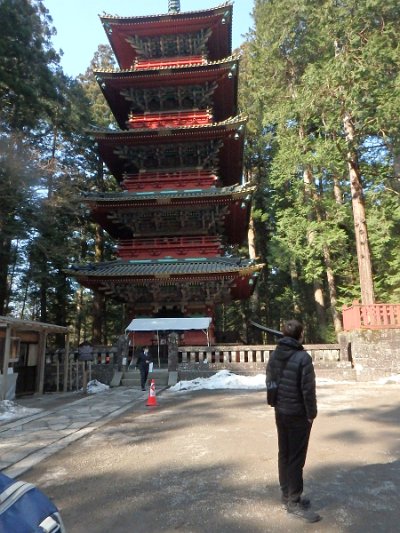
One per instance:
(295, 411)
(143, 363)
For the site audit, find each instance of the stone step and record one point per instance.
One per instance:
(131, 378)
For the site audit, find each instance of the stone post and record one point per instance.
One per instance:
(344, 340)
(122, 352)
(173, 352)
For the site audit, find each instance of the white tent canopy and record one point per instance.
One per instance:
(169, 324)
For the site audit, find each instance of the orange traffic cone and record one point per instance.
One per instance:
(152, 400)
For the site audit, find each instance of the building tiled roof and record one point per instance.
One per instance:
(182, 14)
(223, 99)
(225, 62)
(236, 191)
(119, 28)
(229, 123)
(165, 267)
(224, 141)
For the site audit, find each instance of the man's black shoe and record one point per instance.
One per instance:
(297, 510)
(303, 502)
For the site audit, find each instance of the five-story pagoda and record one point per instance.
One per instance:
(178, 159)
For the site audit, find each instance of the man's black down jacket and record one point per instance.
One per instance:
(296, 392)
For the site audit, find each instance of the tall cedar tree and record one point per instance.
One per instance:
(27, 90)
(326, 77)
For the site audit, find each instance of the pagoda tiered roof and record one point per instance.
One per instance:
(213, 85)
(217, 146)
(125, 198)
(163, 268)
(190, 33)
(179, 156)
(171, 281)
(197, 212)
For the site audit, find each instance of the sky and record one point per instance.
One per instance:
(79, 30)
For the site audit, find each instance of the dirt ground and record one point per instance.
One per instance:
(206, 462)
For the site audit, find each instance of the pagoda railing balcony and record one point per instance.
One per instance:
(173, 247)
(377, 316)
(168, 62)
(185, 179)
(165, 119)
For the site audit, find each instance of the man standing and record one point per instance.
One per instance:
(143, 362)
(295, 410)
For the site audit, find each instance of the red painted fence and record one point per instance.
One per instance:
(377, 316)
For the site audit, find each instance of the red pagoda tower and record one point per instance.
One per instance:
(178, 158)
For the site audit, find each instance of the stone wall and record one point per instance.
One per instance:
(103, 373)
(374, 353)
(189, 371)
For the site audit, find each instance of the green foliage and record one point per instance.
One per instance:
(308, 64)
(27, 62)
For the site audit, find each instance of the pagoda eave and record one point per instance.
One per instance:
(169, 288)
(146, 135)
(230, 63)
(185, 197)
(119, 29)
(230, 134)
(224, 98)
(126, 218)
(165, 269)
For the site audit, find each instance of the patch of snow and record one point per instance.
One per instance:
(222, 380)
(395, 378)
(94, 387)
(10, 410)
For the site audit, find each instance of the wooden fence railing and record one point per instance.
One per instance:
(377, 316)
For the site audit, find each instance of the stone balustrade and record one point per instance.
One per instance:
(226, 354)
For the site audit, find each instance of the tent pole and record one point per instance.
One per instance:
(158, 350)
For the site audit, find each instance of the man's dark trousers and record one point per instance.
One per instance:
(293, 437)
(144, 372)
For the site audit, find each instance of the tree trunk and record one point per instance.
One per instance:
(98, 317)
(5, 258)
(337, 322)
(99, 310)
(251, 237)
(359, 216)
(79, 312)
(337, 191)
(254, 303)
(319, 300)
(295, 287)
(99, 302)
(43, 299)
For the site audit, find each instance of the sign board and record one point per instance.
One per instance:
(85, 352)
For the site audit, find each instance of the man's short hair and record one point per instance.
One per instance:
(293, 328)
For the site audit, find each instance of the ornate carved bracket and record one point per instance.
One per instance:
(181, 44)
(170, 156)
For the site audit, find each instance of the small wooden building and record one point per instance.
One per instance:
(23, 345)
